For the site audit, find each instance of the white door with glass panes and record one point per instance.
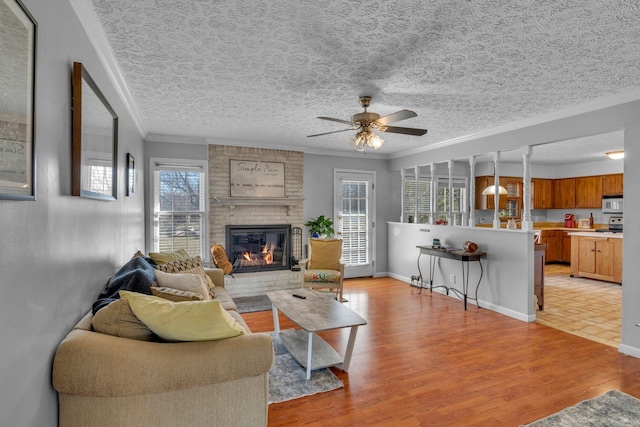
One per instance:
(354, 207)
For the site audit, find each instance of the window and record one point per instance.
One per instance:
(420, 198)
(179, 206)
(459, 199)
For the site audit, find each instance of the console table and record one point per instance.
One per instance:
(455, 254)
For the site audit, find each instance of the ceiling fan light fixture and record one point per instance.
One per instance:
(615, 155)
(366, 138)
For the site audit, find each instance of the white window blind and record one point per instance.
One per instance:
(417, 195)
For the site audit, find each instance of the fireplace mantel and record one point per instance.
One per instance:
(232, 202)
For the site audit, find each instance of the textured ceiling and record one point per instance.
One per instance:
(259, 72)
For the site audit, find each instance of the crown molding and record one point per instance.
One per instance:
(98, 39)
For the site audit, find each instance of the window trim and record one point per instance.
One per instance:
(162, 163)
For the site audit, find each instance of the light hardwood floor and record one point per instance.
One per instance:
(423, 361)
(588, 308)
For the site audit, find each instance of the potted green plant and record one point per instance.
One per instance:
(320, 227)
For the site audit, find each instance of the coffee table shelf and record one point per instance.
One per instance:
(297, 342)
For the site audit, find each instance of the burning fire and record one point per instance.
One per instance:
(266, 254)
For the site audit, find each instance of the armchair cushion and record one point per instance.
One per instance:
(325, 254)
(322, 276)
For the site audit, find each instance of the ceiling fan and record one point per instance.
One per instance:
(366, 122)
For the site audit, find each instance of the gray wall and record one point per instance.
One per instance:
(318, 195)
(59, 251)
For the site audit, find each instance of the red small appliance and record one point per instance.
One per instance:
(569, 221)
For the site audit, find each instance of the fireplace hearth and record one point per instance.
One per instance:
(252, 248)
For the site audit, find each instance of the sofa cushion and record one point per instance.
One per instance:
(190, 266)
(183, 321)
(175, 294)
(184, 282)
(137, 275)
(118, 320)
(325, 254)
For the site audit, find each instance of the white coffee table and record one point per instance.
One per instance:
(316, 312)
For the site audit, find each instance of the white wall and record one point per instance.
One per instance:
(606, 116)
(507, 281)
(318, 195)
(58, 252)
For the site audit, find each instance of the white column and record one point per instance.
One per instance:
(433, 193)
(450, 203)
(402, 189)
(496, 194)
(416, 172)
(472, 191)
(527, 224)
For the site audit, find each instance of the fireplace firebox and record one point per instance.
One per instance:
(253, 248)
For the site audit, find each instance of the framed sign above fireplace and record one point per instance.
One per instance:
(252, 178)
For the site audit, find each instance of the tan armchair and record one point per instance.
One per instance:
(323, 270)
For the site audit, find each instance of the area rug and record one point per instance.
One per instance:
(612, 409)
(288, 379)
(252, 304)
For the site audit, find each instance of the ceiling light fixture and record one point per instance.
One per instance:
(366, 138)
(615, 155)
(492, 190)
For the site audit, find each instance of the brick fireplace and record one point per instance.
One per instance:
(227, 211)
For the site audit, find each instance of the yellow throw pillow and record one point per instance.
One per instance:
(183, 321)
(165, 257)
(184, 282)
(118, 320)
(325, 254)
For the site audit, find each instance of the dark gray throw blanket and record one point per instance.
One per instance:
(137, 275)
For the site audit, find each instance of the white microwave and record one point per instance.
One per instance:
(612, 205)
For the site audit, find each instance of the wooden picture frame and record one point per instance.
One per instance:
(94, 157)
(131, 174)
(17, 117)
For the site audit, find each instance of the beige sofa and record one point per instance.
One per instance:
(104, 380)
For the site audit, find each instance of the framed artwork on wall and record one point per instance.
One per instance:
(17, 80)
(131, 174)
(94, 155)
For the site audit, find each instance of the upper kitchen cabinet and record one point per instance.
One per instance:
(612, 184)
(564, 193)
(486, 202)
(542, 193)
(589, 192)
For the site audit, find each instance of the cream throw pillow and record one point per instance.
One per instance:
(183, 321)
(325, 254)
(184, 282)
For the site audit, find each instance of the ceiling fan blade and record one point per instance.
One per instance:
(396, 117)
(406, 131)
(328, 133)
(346, 122)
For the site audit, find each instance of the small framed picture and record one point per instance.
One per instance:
(131, 174)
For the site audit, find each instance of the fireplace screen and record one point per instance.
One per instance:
(259, 247)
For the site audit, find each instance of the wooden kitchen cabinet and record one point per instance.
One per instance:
(553, 240)
(542, 193)
(487, 202)
(612, 185)
(589, 192)
(564, 193)
(566, 247)
(597, 258)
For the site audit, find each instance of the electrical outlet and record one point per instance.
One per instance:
(452, 278)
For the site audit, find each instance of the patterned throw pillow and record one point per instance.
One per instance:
(190, 282)
(175, 295)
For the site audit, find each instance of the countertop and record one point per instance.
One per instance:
(604, 235)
